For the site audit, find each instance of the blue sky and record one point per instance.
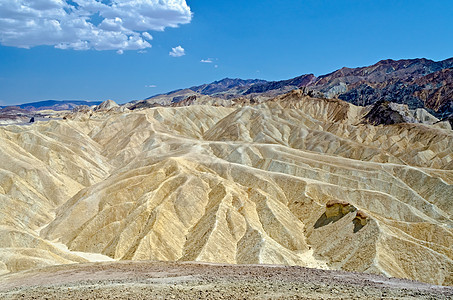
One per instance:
(109, 55)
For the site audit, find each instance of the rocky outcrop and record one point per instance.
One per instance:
(106, 105)
(335, 210)
(386, 113)
(360, 220)
(141, 105)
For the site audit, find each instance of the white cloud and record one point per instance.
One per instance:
(208, 61)
(151, 86)
(147, 36)
(88, 24)
(120, 51)
(177, 52)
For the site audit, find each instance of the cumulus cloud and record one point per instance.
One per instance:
(207, 61)
(88, 24)
(177, 51)
(147, 36)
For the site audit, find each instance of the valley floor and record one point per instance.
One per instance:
(189, 280)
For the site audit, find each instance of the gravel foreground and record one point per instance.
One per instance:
(189, 280)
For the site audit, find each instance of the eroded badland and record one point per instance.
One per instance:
(292, 181)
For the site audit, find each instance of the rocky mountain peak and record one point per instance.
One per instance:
(417, 83)
(106, 105)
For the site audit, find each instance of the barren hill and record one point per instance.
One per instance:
(294, 181)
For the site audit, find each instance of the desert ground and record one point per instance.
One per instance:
(188, 280)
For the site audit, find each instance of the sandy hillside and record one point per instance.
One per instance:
(295, 181)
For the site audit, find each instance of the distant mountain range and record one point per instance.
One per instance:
(54, 105)
(419, 83)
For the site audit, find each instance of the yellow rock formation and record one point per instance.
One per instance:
(295, 180)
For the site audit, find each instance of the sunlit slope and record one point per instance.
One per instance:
(41, 167)
(296, 181)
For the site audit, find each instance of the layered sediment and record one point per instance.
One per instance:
(293, 181)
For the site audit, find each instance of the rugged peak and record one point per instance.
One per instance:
(403, 62)
(227, 86)
(419, 83)
(106, 105)
(385, 62)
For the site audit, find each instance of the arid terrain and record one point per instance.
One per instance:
(169, 280)
(418, 83)
(295, 181)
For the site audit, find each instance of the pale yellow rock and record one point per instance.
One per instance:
(106, 105)
(295, 180)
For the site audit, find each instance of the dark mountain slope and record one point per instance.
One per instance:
(418, 83)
